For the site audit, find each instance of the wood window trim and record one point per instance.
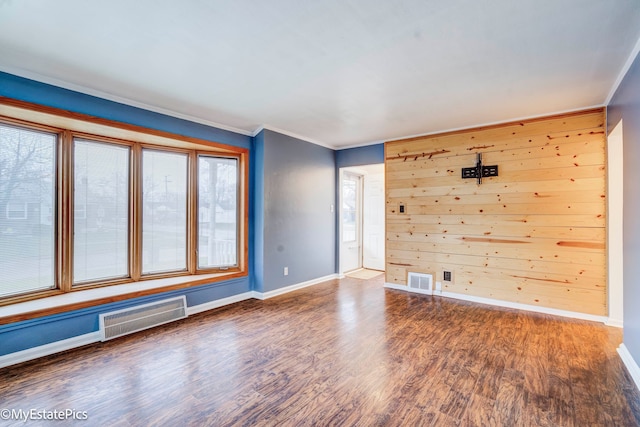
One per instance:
(69, 125)
(47, 118)
(56, 301)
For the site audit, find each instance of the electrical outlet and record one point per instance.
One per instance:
(286, 271)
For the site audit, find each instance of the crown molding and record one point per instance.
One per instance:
(119, 99)
(292, 135)
(498, 123)
(623, 72)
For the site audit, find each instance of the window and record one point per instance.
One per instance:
(217, 212)
(88, 203)
(101, 211)
(164, 211)
(350, 209)
(27, 188)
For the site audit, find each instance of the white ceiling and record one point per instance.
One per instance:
(335, 72)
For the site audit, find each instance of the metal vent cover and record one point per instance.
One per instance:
(420, 282)
(133, 319)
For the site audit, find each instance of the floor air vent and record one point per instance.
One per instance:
(134, 319)
(421, 283)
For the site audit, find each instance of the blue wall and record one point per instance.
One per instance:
(36, 332)
(291, 190)
(625, 106)
(40, 93)
(298, 227)
(257, 216)
(359, 156)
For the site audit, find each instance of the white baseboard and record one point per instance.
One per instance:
(527, 307)
(90, 338)
(218, 303)
(412, 290)
(508, 304)
(287, 289)
(47, 349)
(630, 363)
(397, 287)
(616, 323)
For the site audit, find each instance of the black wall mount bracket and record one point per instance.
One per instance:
(479, 171)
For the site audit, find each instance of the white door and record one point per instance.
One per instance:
(350, 222)
(373, 238)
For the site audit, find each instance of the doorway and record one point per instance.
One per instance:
(362, 217)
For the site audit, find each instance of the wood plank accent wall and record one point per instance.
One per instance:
(533, 235)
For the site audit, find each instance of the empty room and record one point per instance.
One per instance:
(346, 213)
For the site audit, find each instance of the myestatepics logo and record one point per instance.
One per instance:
(42, 414)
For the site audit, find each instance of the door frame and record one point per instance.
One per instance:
(343, 173)
(357, 170)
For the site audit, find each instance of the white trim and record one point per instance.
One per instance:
(292, 135)
(218, 303)
(93, 337)
(623, 72)
(615, 231)
(362, 144)
(616, 323)
(408, 289)
(419, 291)
(436, 132)
(115, 98)
(397, 287)
(47, 349)
(501, 122)
(257, 131)
(630, 363)
(526, 307)
(287, 289)
(508, 304)
(130, 102)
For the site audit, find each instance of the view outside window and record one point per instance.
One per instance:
(164, 211)
(349, 208)
(101, 209)
(27, 210)
(217, 212)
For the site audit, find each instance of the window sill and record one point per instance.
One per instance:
(92, 297)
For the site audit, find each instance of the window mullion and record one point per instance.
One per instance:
(192, 214)
(65, 212)
(135, 214)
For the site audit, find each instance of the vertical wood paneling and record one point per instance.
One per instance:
(534, 235)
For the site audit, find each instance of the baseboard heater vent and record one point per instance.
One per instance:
(145, 316)
(420, 282)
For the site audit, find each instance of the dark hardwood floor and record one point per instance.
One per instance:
(342, 353)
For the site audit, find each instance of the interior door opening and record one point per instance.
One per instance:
(351, 222)
(362, 218)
